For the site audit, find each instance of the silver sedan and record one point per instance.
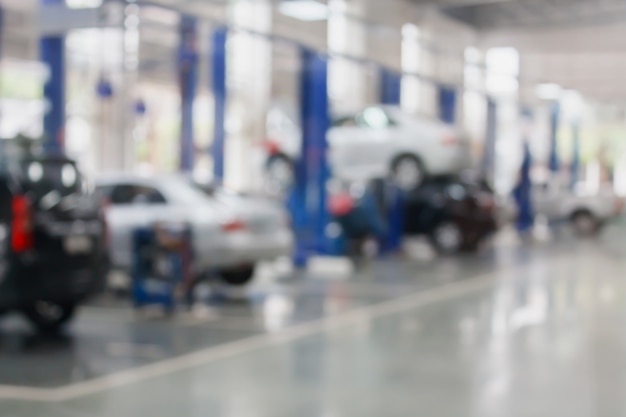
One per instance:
(231, 233)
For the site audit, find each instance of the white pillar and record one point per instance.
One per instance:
(474, 115)
(502, 83)
(411, 60)
(249, 90)
(346, 35)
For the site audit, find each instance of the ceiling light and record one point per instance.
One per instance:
(83, 4)
(548, 91)
(307, 10)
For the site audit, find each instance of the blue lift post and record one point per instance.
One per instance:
(1, 29)
(522, 192)
(52, 54)
(447, 103)
(390, 93)
(188, 80)
(218, 82)
(522, 195)
(307, 201)
(554, 127)
(489, 150)
(575, 153)
(390, 86)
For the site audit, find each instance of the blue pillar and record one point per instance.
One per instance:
(522, 195)
(1, 29)
(394, 230)
(447, 103)
(390, 86)
(575, 152)
(52, 54)
(308, 197)
(554, 127)
(489, 150)
(218, 82)
(188, 80)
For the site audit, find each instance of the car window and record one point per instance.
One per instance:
(374, 118)
(43, 176)
(180, 190)
(135, 194)
(347, 121)
(221, 195)
(457, 191)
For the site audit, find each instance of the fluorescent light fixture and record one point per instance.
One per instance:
(83, 4)
(307, 10)
(548, 91)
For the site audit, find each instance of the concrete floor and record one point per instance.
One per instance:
(520, 330)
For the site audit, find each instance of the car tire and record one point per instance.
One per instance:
(447, 238)
(49, 317)
(585, 224)
(407, 172)
(279, 173)
(238, 277)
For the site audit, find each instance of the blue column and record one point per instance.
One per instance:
(188, 80)
(52, 54)
(1, 29)
(447, 103)
(390, 83)
(489, 150)
(308, 197)
(575, 152)
(218, 81)
(522, 195)
(554, 127)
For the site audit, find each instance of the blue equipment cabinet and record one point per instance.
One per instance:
(161, 264)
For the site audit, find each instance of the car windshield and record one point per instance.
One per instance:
(44, 175)
(182, 191)
(219, 194)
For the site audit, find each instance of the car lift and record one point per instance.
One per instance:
(307, 201)
(52, 53)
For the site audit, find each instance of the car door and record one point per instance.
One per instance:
(546, 199)
(132, 206)
(422, 136)
(360, 144)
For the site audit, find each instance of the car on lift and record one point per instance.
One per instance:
(52, 241)
(231, 233)
(379, 141)
(586, 210)
(456, 214)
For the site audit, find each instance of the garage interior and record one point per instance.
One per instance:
(529, 324)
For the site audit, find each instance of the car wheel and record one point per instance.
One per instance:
(49, 317)
(447, 238)
(279, 173)
(407, 172)
(585, 224)
(239, 276)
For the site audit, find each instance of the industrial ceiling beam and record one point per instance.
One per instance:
(532, 14)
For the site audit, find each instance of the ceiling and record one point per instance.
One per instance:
(498, 14)
(580, 44)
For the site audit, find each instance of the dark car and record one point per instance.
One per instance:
(52, 241)
(455, 214)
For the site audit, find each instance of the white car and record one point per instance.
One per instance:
(230, 233)
(586, 210)
(377, 142)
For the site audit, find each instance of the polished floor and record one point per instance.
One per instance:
(520, 330)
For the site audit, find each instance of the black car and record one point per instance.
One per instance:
(455, 214)
(52, 241)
